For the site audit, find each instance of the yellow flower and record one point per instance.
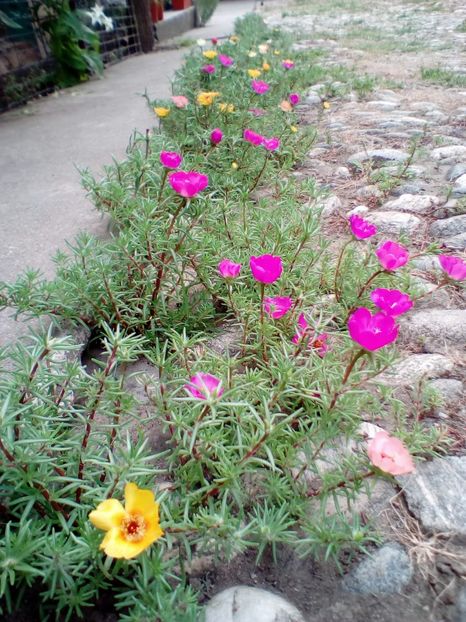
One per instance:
(263, 48)
(210, 54)
(277, 52)
(266, 67)
(206, 98)
(161, 112)
(326, 105)
(252, 54)
(130, 529)
(286, 106)
(254, 73)
(226, 107)
(293, 128)
(234, 39)
(234, 166)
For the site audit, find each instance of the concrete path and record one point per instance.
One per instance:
(43, 144)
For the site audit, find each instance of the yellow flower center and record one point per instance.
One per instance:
(133, 528)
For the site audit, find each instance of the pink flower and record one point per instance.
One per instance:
(288, 64)
(257, 112)
(277, 306)
(252, 137)
(294, 99)
(216, 136)
(372, 332)
(225, 60)
(188, 184)
(180, 101)
(455, 267)
(260, 87)
(171, 159)
(360, 228)
(389, 454)
(392, 255)
(318, 342)
(208, 69)
(204, 386)
(266, 268)
(214, 40)
(229, 269)
(271, 144)
(391, 301)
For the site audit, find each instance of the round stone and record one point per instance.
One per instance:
(250, 604)
(387, 571)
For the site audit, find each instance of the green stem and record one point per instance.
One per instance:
(337, 269)
(354, 359)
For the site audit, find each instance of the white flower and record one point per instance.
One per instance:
(252, 54)
(263, 48)
(98, 17)
(201, 42)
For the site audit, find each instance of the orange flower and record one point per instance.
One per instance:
(130, 529)
(286, 106)
(266, 66)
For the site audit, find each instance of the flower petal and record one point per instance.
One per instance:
(108, 514)
(141, 501)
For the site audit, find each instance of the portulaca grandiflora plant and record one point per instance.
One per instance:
(210, 232)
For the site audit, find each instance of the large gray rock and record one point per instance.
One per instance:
(450, 151)
(449, 226)
(459, 189)
(449, 389)
(456, 171)
(395, 222)
(415, 203)
(250, 604)
(416, 367)
(386, 571)
(436, 494)
(377, 156)
(437, 330)
(455, 242)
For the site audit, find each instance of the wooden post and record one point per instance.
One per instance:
(144, 24)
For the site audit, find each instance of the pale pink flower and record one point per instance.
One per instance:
(391, 301)
(204, 386)
(188, 184)
(260, 87)
(229, 269)
(271, 144)
(389, 454)
(392, 255)
(171, 159)
(216, 136)
(316, 342)
(294, 99)
(266, 268)
(372, 332)
(360, 228)
(225, 60)
(180, 101)
(252, 137)
(277, 306)
(455, 267)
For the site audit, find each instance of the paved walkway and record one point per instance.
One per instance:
(43, 144)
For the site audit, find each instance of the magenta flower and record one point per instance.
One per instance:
(360, 228)
(392, 255)
(389, 454)
(391, 301)
(271, 144)
(208, 69)
(214, 40)
(225, 60)
(294, 99)
(288, 64)
(216, 136)
(257, 112)
(171, 159)
(455, 267)
(188, 184)
(229, 269)
(260, 87)
(372, 332)
(277, 306)
(204, 386)
(266, 268)
(252, 137)
(318, 343)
